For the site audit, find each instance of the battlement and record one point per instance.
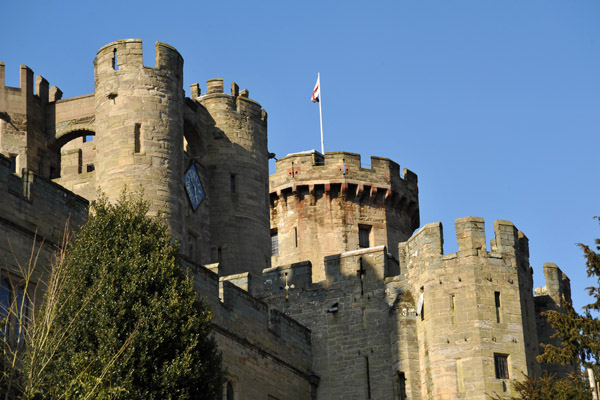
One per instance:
(238, 101)
(343, 172)
(43, 206)
(15, 99)
(558, 284)
(127, 54)
(470, 235)
(239, 315)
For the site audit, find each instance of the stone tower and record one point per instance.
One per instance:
(139, 126)
(475, 326)
(236, 160)
(324, 205)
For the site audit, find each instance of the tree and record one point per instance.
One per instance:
(579, 336)
(579, 333)
(120, 319)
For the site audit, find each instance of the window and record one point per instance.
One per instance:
(90, 167)
(401, 380)
(501, 364)
(364, 231)
(453, 308)
(497, 303)
(88, 138)
(137, 133)
(232, 183)
(274, 243)
(115, 65)
(13, 310)
(296, 235)
(230, 395)
(13, 163)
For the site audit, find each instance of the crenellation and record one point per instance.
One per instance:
(42, 88)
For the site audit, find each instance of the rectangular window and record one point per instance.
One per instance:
(401, 379)
(232, 183)
(497, 303)
(453, 308)
(14, 306)
(501, 364)
(137, 138)
(13, 163)
(364, 231)
(274, 243)
(368, 373)
(296, 235)
(90, 167)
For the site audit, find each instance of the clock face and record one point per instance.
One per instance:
(193, 187)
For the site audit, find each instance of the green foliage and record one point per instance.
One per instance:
(579, 334)
(548, 387)
(121, 321)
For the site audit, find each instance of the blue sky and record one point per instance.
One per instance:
(494, 104)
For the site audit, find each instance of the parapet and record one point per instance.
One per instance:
(14, 99)
(558, 284)
(312, 165)
(311, 172)
(470, 235)
(43, 207)
(238, 101)
(240, 316)
(127, 55)
(286, 277)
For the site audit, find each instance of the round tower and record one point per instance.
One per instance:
(236, 160)
(329, 204)
(139, 123)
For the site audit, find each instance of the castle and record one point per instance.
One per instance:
(321, 281)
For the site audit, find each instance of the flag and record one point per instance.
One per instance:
(316, 95)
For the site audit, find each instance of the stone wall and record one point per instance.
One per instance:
(265, 352)
(348, 316)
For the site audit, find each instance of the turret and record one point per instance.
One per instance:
(139, 123)
(475, 318)
(23, 124)
(329, 204)
(236, 160)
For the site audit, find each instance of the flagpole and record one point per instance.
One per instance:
(321, 112)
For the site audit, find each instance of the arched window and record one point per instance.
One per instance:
(230, 394)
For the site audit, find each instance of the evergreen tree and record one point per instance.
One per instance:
(120, 319)
(579, 334)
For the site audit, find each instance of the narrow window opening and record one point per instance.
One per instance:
(296, 235)
(219, 255)
(232, 183)
(364, 231)
(5, 300)
(501, 365)
(230, 393)
(368, 373)
(453, 308)
(401, 380)
(138, 138)
(13, 163)
(79, 161)
(497, 303)
(90, 167)
(274, 242)
(115, 64)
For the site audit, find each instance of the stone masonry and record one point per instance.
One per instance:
(321, 283)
